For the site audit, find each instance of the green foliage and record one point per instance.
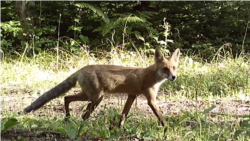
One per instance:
(198, 26)
(191, 125)
(9, 123)
(216, 79)
(11, 32)
(122, 20)
(244, 128)
(196, 79)
(95, 10)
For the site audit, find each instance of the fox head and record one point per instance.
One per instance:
(167, 67)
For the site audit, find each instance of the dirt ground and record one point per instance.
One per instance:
(14, 103)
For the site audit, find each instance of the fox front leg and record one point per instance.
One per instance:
(129, 102)
(151, 97)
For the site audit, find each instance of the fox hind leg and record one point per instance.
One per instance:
(68, 99)
(91, 107)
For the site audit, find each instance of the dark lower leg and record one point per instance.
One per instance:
(126, 109)
(91, 107)
(68, 99)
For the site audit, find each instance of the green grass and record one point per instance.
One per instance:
(216, 79)
(223, 80)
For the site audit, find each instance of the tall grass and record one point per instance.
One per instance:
(45, 70)
(196, 79)
(220, 79)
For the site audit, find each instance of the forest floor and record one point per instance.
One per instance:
(15, 103)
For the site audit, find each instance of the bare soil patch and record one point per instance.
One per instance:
(14, 103)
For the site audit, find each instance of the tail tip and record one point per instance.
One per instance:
(23, 112)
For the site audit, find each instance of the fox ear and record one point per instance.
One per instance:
(176, 55)
(158, 55)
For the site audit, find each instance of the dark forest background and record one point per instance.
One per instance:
(195, 27)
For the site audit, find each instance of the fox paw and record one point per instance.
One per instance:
(66, 118)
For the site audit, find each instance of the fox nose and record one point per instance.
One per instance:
(173, 77)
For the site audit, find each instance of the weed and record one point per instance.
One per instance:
(211, 85)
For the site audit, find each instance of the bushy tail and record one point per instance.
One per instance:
(58, 90)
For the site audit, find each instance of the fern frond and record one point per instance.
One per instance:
(95, 10)
(105, 28)
(129, 19)
(139, 36)
(147, 14)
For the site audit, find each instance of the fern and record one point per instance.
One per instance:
(139, 36)
(129, 19)
(106, 28)
(95, 10)
(118, 22)
(146, 14)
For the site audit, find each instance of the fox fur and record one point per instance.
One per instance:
(97, 80)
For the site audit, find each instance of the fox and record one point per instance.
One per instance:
(97, 80)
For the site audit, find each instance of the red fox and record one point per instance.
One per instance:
(96, 80)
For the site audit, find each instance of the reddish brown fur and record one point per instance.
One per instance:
(97, 80)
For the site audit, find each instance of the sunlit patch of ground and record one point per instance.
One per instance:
(15, 103)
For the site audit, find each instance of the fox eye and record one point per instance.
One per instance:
(165, 69)
(174, 67)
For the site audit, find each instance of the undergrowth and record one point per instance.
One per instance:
(220, 79)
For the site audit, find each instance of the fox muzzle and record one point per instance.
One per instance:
(171, 77)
